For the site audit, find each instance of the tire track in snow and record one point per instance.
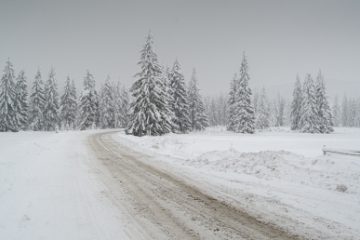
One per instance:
(167, 208)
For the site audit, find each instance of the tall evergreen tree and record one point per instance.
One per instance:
(51, 107)
(198, 118)
(244, 111)
(309, 119)
(68, 105)
(323, 108)
(232, 101)
(8, 116)
(179, 101)
(107, 105)
(149, 110)
(296, 105)
(22, 105)
(37, 103)
(89, 104)
(262, 116)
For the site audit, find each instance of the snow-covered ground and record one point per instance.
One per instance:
(51, 184)
(279, 176)
(50, 189)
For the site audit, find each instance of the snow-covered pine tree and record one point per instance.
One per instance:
(296, 105)
(336, 112)
(262, 116)
(68, 106)
(107, 105)
(232, 100)
(198, 118)
(51, 107)
(117, 106)
(22, 106)
(149, 110)
(89, 104)
(309, 121)
(178, 100)
(37, 102)
(244, 111)
(8, 116)
(322, 105)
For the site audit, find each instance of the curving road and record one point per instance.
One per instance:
(164, 207)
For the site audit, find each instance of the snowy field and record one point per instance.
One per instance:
(278, 175)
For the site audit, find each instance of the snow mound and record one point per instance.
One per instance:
(323, 172)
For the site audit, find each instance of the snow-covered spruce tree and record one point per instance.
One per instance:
(296, 105)
(21, 104)
(8, 116)
(149, 110)
(89, 104)
(309, 120)
(232, 100)
(107, 105)
(51, 106)
(118, 112)
(244, 111)
(198, 118)
(37, 102)
(323, 108)
(68, 106)
(179, 100)
(262, 116)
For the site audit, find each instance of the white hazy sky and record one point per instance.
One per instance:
(280, 38)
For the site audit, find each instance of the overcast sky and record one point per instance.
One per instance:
(280, 38)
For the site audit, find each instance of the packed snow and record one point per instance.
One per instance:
(278, 175)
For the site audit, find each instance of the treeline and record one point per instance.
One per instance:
(43, 109)
(161, 102)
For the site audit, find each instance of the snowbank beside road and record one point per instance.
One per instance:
(278, 176)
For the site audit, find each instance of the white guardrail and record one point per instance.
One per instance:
(348, 152)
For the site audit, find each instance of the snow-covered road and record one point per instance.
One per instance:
(167, 207)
